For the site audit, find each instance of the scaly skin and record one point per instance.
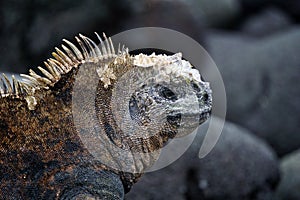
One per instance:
(42, 155)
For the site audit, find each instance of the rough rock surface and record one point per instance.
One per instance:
(260, 77)
(241, 166)
(288, 189)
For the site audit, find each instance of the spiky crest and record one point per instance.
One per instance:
(62, 62)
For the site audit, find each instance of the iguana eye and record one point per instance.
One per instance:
(166, 93)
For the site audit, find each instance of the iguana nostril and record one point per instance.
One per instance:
(205, 97)
(195, 87)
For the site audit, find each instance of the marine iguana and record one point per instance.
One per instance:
(51, 147)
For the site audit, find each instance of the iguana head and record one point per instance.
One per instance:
(145, 100)
(170, 91)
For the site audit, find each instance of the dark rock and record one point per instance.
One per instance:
(175, 15)
(250, 6)
(292, 7)
(268, 21)
(241, 166)
(261, 78)
(288, 188)
(31, 29)
(217, 13)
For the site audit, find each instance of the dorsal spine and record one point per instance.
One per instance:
(62, 62)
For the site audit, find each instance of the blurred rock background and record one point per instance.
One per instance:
(255, 44)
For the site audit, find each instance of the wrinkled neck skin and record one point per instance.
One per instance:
(125, 123)
(106, 126)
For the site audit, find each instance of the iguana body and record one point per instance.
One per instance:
(42, 153)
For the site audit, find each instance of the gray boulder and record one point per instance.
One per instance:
(241, 166)
(289, 187)
(261, 79)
